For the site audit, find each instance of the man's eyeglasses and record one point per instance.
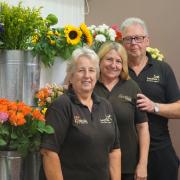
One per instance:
(137, 39)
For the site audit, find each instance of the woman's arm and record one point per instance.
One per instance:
(115, 164)
(144, 140)
(52, 165)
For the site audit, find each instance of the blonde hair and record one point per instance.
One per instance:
(77, 53)
(108, 46)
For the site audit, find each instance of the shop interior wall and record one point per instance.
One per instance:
(163, 21)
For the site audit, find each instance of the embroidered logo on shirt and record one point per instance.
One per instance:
(106, 120)
(125, 97)
(154, 78)
(78, 120)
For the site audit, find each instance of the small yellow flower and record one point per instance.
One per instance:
(49, 33)
(44, 110)
(35, 39)
(155, 53)
(57, 33)
(52, 42)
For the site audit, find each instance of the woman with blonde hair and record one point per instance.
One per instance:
(116, 86)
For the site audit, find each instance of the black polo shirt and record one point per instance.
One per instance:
(157, 81)
(123, 99)
(83, 139)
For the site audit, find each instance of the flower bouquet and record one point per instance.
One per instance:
(103, 33)
(46, 95)
(155, 53)
(17, 25)
(51, 42)
(21, 127)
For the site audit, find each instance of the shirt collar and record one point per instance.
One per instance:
(74, 98)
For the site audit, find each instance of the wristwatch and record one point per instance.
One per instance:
(156, 107)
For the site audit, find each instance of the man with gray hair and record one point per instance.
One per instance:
(160, 98)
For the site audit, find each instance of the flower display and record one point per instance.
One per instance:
(21, 127)
(51, 42)
(46, 95)
(17, 25)
(155, 53)
(103, 33)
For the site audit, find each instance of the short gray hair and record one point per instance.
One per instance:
(77, 53)
(131, 21)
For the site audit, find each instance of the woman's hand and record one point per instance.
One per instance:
(141, 172)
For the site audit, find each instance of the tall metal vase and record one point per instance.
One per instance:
(10, 165)
(31, 166)
(31, 77)
(19, 75)
(11, 74)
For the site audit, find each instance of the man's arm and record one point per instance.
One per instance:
(115, 164)
(144, 140)
(52, 165)
(171, 110)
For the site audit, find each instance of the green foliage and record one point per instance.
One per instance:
(19, 24)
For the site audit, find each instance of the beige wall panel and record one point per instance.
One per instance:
(163, 21)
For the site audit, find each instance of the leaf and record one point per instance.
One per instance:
(2, 142)
(49, 129)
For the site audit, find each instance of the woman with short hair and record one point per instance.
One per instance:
(85, 145)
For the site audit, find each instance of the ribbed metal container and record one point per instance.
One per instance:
(11, 74)
(31, 166)
(10, 165)
(19, 75)
(31, 77)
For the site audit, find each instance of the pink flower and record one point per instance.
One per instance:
(3, 117)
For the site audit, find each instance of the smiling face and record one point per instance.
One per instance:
(135, 41)
(111, 66)
(84, 77)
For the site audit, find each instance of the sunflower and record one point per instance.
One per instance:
(87, 36)
(72, 34)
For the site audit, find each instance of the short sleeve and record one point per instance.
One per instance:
(172, 92)
(59, 117)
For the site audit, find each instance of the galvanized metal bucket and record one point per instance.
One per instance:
(31, 77)
(10, 165)
(11, 74)
(31, 166)
(19, 75)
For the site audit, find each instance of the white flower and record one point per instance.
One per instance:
(100, 38)
(102, 33)
(92, 27)
(112, 34)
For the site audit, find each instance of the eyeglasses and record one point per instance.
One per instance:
(137, 39)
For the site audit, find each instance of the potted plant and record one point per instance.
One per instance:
(17, 25)
(21, 127)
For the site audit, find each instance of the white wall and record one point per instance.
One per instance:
(68, 11)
